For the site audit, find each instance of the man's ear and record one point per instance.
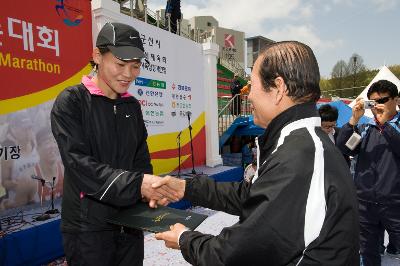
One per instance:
(281, 89)
(96, 55)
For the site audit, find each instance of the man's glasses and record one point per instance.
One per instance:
(382, 100)
(328, 126)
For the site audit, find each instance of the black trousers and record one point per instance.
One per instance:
(236, 105)
(104, 248)
(374, 219)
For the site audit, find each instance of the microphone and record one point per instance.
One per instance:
(38, 178)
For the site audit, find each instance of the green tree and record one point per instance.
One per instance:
(339, 72)
(356, 65)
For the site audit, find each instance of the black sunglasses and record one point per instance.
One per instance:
(383, 100)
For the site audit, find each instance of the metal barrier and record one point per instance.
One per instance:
(230, 108)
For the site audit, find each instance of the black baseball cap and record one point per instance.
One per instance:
(123, 41)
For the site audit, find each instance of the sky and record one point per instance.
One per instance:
(334, 29)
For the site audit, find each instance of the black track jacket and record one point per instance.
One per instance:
(102, 143)
(300, 210)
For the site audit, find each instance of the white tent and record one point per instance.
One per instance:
(383, 74)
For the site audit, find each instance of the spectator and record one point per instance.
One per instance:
(329, 116)
(246, 89)
(377, 169)
(235, 90)
(173, 13)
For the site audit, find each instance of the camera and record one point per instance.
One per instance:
(369, 104)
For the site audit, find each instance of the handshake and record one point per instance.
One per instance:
(162, 190)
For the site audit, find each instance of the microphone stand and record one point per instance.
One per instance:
(191, 144)
(44, 216)
(178, 139)
(53, 210)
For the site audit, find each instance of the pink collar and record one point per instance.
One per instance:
(94, 90)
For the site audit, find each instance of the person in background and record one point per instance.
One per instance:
(101, 137)
(300, 207)
(173, 14)
(377, 169)
(235, 90)
(246, 89)
(329, 116)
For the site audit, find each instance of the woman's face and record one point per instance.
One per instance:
(114, 75)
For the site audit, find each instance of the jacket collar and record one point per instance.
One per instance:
(394, 119)
(94, 90)
(268, 141)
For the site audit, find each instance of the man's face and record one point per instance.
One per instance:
(117, 74)
(385, 106)
(262, 102)
(328, 126)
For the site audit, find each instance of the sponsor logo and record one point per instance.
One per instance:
(229, 40)
(145, 102)
(70, 15)
(152, 83)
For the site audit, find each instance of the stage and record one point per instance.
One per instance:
(38, 243)
(29, 242)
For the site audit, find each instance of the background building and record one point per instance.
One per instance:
(255, 45)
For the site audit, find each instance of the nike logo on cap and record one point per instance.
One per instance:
(133, 37)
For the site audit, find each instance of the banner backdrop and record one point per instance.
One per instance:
(45, 46)
(171, 90)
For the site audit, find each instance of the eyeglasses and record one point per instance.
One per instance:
(328, 126)
(382, 100)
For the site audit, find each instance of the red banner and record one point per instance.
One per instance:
(42, 43)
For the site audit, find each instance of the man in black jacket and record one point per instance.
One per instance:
(300, 207)
(101, 136)
(235, 90)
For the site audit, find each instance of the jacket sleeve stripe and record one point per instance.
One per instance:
(111, 184)
(316, 202)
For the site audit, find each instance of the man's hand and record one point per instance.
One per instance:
(172, 184)
(358, 111)
(171, 238)
(161, 195)
(382, 113)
